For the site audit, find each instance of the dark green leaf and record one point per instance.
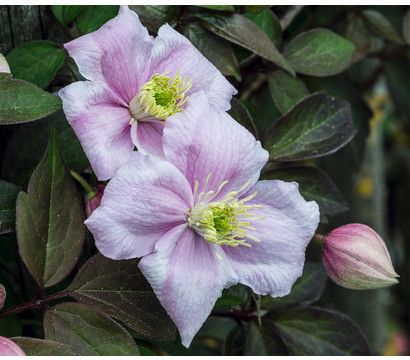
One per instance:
(49, 220)
(36, 62)
(217, 50)
(119, 289)
(314, 184)
(65, 14)
(226, 301)
(356, 31)
(242, 31)
(235, 342)
(41, 347)
(154, 16)
(10, 325)
(318, 332)
(8, 197)
(381, 25)
(27, 145)
(86, 331)
(317, 125)
(269, 23)
(406, 27)
(319, 52)
(286, 90)
(218, 7)
(21, 101)
(241, 114)
(255, 9)
(94, 16)
(262, 341)
(306, 290)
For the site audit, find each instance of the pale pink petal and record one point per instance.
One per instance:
(147, 137)
(172, 52)
(10, 348)
(201, 140)
(101, 125)
(115, 56)
(187, 278)
(272, 265)
(146, 198)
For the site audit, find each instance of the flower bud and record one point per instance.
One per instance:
(4, 66)
(9, 348)
(2, 295)
(93, 203)
(356, 257)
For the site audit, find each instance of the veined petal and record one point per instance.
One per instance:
(272, 265)
(201, 140)
(146, 198)
(115, 56)
(147, 137)
(101, 125)
(172, 52)
(187, 278)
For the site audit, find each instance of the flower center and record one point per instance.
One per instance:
(223, 222)
(160, 97)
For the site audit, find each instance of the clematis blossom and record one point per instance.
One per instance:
(201, 220)
(135, 83)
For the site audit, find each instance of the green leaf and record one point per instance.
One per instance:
(41, 347)
(36, 62)
(86, 331)
(319, 52)
(28, 143)
(65, 14)
(355, 30)
(218, 7)
(314, 184)
(317, 125)
(241, 114)
(217, 50)
(306, 290)
(262, 341)
(119, 289)
(8, 197)
(154, 16)
(381, 25)
(49, 220)
(235, 342)
(269, 23)
(286, 90)
(317, 332)
(92, 17)
(406, 27)
(242, 31)
(226, 301)
(21, 101)
(256, 9)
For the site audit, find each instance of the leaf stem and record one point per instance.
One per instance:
(90, 192)
(318, 237)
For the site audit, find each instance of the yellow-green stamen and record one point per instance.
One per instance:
(160, 97)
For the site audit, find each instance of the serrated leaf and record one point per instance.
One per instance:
(306, 290)
(65, 14)
(286, 90)
(241, 114)
(36, 62)
(317, 125)
(49, 220)
(217, 50)
(8, 197)
(86, 331)
(269, 23)
(41, 347)
(381, 25)
(21, 101)
(316, 332)
(218, 7)
(154, 16)
(406, 27)
(314, 184)
(319, 52)
(92, 17)
(28, 143)
(356, 31)
(242, 31)
(119, 289)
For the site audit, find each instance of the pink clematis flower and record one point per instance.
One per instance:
(136, 82)
(201, 220)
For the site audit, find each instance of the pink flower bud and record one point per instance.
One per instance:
(4, 66)
(356, 257)
(94, 202)
(9, 348)
(2, 295)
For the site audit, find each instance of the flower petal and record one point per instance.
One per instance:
(115, 56)
(172, 52)
(144, 199)
(201, 140)
(147, 137)
(101, 125)
(187, 278)
(272, 265)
